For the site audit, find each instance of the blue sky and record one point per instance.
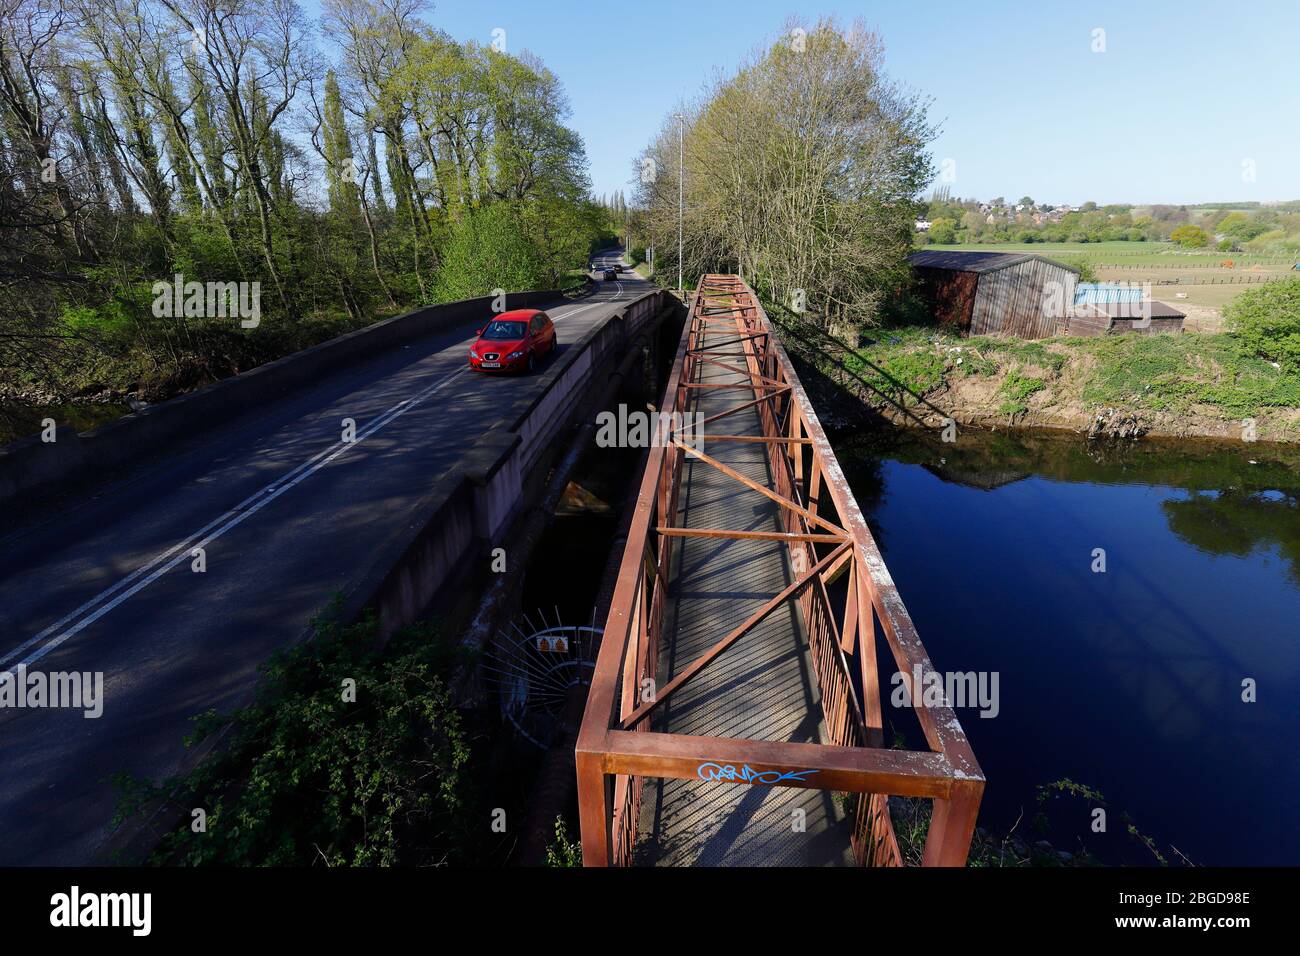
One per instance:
(1186, 99)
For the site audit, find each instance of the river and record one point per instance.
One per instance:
(1127, 679)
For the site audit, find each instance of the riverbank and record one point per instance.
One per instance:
(1167, 386)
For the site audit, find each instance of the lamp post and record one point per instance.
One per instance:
(681, 178)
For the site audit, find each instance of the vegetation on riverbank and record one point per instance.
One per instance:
(1064, 810)
(1239, 384)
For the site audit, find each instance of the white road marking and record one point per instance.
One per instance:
(258, 499)
(249, 506)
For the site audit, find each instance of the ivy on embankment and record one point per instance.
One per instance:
(318, 770)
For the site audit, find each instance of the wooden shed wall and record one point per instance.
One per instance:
(1155, 326)
(949, 294)
(1088, 324)
(1012, 301)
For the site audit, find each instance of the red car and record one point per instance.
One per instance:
(513, 341)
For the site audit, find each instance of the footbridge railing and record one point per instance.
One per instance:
(847, 602)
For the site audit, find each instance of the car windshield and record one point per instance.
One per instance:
(505, 331)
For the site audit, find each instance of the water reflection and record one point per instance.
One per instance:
(1128, 680)
(1238, 522)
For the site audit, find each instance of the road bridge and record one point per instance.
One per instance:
(288, 515)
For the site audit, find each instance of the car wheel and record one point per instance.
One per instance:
(532, 362)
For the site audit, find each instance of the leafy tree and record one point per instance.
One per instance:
(340, 166)
(139, 138)
(1189, 236)
(943, 232)
(490, 248)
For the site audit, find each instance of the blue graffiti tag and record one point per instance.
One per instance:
(713, 772)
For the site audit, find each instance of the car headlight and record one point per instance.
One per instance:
(515, 355)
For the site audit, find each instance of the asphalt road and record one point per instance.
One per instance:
(287, 515)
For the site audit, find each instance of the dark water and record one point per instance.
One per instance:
(1129, 681)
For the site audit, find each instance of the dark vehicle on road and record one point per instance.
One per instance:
(611, 275)
(513, 342)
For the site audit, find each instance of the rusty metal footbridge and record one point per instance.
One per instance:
(734, 716)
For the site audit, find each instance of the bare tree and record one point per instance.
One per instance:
(802, 171)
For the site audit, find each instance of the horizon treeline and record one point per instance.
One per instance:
(362, 164)
(1258, 228)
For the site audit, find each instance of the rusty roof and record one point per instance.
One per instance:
(979, 262)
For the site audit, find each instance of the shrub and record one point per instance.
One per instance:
(565, 851)
(1267, 321)
(311, 777)
(1086, 272)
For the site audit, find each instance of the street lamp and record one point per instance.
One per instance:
(681, 178)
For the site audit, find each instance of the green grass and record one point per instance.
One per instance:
(1159, 373)
(1033, 352)
(1126, 253)
(903, 358)
(1174, 372)
(1016, 388)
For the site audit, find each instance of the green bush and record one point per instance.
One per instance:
(308, 777)
(1267, 321)
(565, 852)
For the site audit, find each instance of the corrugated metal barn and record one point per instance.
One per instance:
(996, 293)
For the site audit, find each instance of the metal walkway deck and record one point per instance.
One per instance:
(734, 716)
(763, 688)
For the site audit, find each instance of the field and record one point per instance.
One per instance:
(1199, 282)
